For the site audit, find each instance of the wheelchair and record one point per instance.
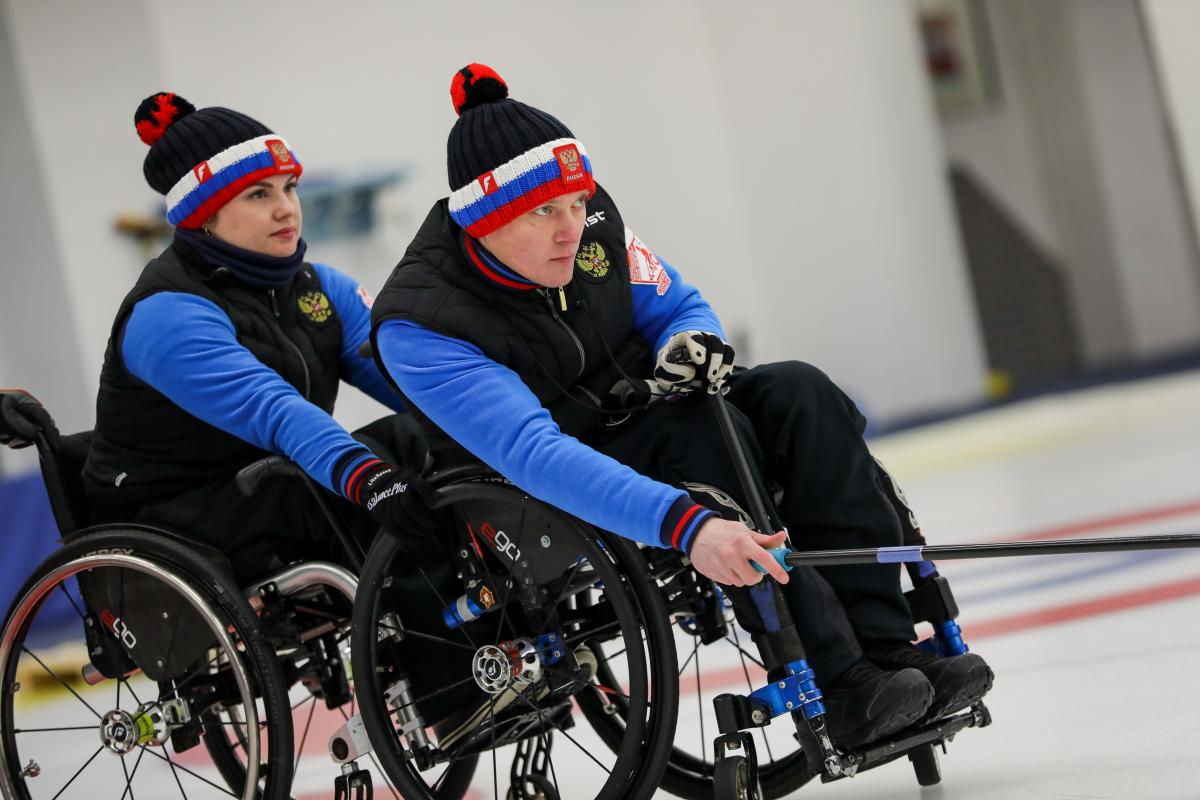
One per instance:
(500, 544)
(490, 638)
(213, 685)
(725, 680)
(162, 665)
(749, 760)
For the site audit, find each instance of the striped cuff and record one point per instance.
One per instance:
(683, 519)
(352, 470)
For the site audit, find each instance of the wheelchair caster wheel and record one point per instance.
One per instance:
(732, 780)
(925, 764)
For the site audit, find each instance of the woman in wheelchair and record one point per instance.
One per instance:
(230, 347)
(525, 299)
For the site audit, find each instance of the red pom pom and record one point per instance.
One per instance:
(474, 85)
(157, 112)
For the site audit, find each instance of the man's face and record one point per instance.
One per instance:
(540, 245)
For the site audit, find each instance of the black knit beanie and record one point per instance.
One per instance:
(503, 157)
(201, 158)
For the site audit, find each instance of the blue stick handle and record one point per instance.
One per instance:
(779, 554)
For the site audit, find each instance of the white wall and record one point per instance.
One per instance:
(1171, 27)
(842, 188)
(782, 154)
(998, 142)
(1154, 244)
(1077, 152)
(76, 65)
(39, 341)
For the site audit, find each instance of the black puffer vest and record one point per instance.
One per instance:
(568, 356)
(145, 447)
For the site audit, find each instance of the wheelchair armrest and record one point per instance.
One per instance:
(462, 472)
(249, 477)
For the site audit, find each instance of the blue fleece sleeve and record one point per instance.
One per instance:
(489, 410)
(352, 303)
(679, 307)
(185, 347)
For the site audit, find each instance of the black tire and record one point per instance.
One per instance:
(925, 764)
(782, 767)
(303, 661)
(238, 666)
(731, 780)
(599, 582)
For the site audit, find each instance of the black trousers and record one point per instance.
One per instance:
(281, 522)
(803, 437)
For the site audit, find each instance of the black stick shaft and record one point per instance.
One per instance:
(758, 512)
(909, 554)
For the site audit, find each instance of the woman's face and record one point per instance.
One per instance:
(540, 244)
(264, 218)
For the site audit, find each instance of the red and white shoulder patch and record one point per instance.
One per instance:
(644, 266)
(365, 296)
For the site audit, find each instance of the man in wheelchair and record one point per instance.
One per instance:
(529, 325)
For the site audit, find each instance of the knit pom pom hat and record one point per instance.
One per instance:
(201, 158)
(505, 158)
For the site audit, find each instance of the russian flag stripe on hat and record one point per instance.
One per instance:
(527, 177)
(192, 200)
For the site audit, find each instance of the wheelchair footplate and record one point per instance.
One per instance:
(911, 742)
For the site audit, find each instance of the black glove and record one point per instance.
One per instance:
(22, 417)
(399, 499)
(693, 355)
(633, 394)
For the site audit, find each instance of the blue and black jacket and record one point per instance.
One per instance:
(203, 375)
(517, 374)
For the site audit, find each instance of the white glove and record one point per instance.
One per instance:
(693, 355)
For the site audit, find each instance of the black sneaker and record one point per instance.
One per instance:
(865, 703)
(958, 681)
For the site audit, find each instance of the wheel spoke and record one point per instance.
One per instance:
(200, 671)
(434, 693)
(544, 738)
(750, 687)
(429, 637)
(63, 587)
(137, 699)
(444, 604)
(129, 777)
(47, 730)
(700, 703)
(195, 775)
(178, 783)
(304, 738)
(388, 780)
(580, 635)
(56, 677)
(78, 772)
(570, 738)
(745, 653)
(692, 655)
(495, 772)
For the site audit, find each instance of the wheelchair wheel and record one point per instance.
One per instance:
(121, 653)
(715, 656)
(558, 600)
(926, 766)
(310, 632)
